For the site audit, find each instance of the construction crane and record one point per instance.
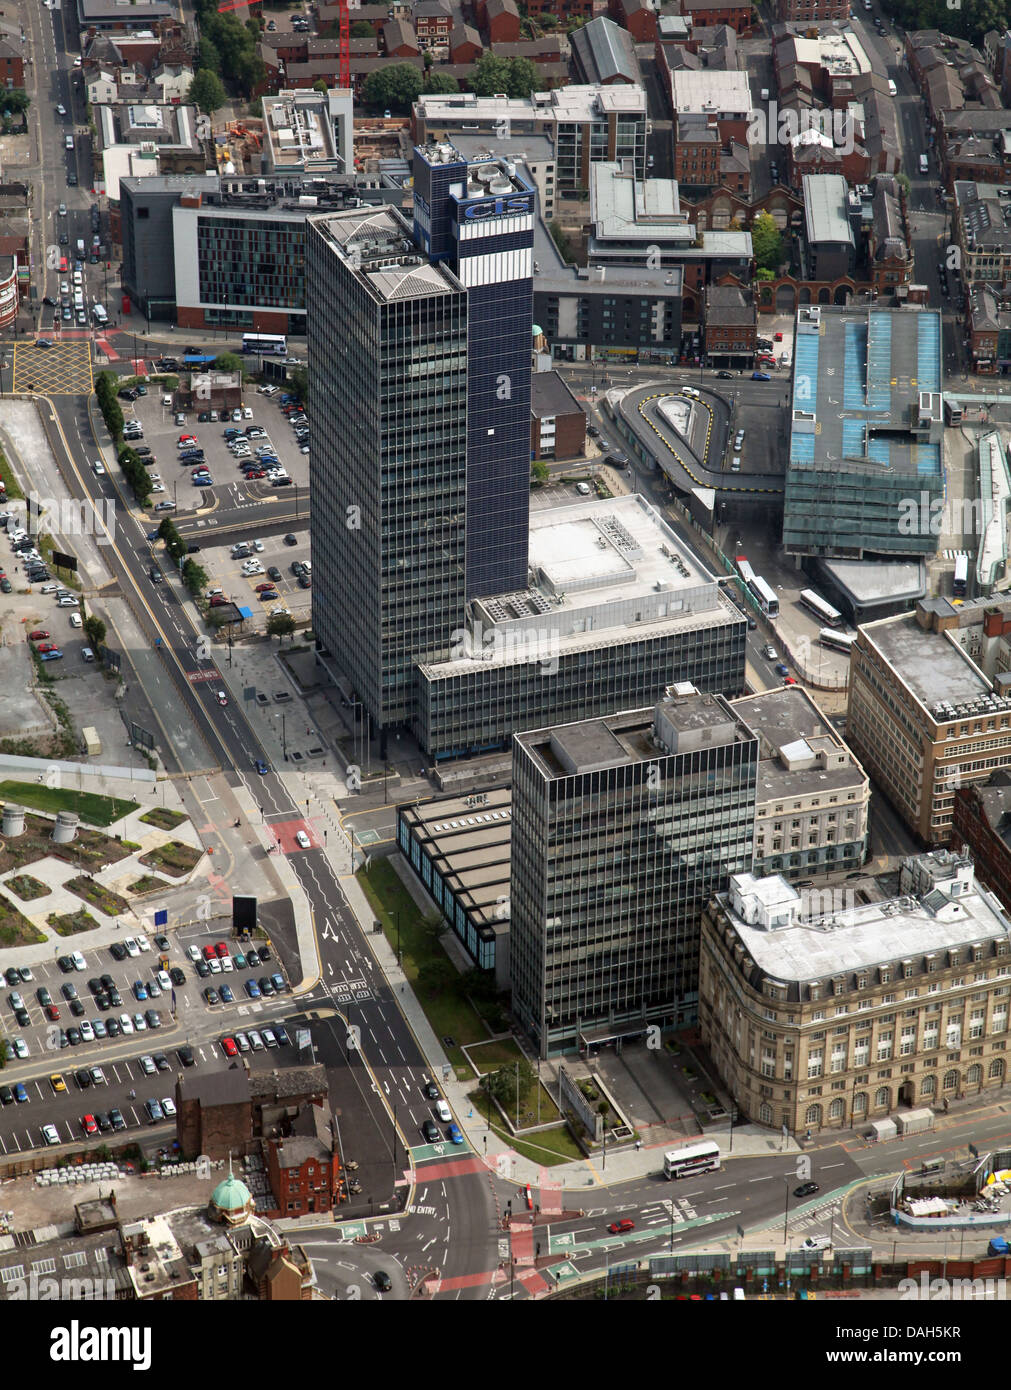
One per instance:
(344, 33)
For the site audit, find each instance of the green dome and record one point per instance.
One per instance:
(537, 330)
(231, 1195)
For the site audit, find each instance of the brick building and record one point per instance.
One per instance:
(740, 17)
(499, 19)
(557, 421)
(981, 824)
(227, 1112)
(433, 19)
(12, 65)
(729, 325)
(304, 1166)
(400, 40)
(637, 16)
(465, 44)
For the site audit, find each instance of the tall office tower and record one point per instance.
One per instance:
(388, 360)
(479, 218)
(622, 829)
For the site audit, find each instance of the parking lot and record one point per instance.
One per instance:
(139, 1063)
(269, 561)
(228, 487)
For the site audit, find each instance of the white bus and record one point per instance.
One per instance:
(268, 344)
(696, 1158)
(823, 611)
(767, 600)
(961, 577)
(838, 641)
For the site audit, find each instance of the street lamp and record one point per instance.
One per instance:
(786, 1209)
(284, 745)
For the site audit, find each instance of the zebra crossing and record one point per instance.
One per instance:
(669, 1212)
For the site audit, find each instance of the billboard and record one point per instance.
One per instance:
(64, 562)
(243, 913)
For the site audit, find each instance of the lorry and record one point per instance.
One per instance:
(92, 743)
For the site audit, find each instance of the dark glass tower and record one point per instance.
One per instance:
(479, 219)
(622, 829)
(388, 361)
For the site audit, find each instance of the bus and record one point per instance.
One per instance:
(838, 641)
(267, 344)
(744, 569)
(952, 412)
(767, 600)
(198, 359)
(823, 611)
(696, 1158)
(961, 576)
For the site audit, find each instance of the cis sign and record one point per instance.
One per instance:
(499, 207)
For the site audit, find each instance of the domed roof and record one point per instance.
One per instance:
(231, 1194)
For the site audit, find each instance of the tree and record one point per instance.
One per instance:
(320, 85)
(208, 57)
(491, 75)
(394, 88)
(194, 576)
(95, 630)
(522, 77)
(216, 618)
(227, 362)
(15, 102)
(540, 471)
(206, 92)
(280, 625)
(766, 242)
(362, 29)
(440, 83)
(300, 383)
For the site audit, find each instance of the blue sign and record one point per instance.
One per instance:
(500, 207)
(161, 917)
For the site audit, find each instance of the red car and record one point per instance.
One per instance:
(222, 949)
(229, 1046)
(789, 680)
(52, 1013)
(255, 473)
(209, 953)
(89, 1124)
(618, 1228)
(777, 337)
(192, 439)
(39, 635)
(47, 647)
(262, 588)
(218, 602)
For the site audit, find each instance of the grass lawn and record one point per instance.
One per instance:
(27, 887)
(173, 858)
(448, 1011)
(96, 810)
(97, 896)
(16, 930)
(163, 818)
(490, 1056)
(547, 1147)
(72, 922)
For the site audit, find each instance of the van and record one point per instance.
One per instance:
(924, 164)
(765, 94)
(893, 91)
(80, 248)
(68, 141)
(99, 315)
(87, 654)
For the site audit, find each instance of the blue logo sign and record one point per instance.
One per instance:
(500, 207)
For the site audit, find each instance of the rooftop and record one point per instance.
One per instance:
(604, 51)
(826, 209)
(799, 750)
(950, 910)
(602, 572)
(386, 260)
(930, 664)
(549, 395)
(711, 92)
(468, 839)
(878, 581)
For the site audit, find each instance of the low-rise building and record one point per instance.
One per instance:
(981, 827)
(604, 54)
(813, 797)
(729, 325)
(982, 232)
(823, 1010)
(558, 421)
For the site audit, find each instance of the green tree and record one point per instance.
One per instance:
(95, 630)
(15, 102)
(216, 618)
(763, 274)
(280, 625)
(194, 576)
(522, 77)
(362, 29)
(440, 83)
(227, 362)
(300, 383)
(903, 181)
(491, 75)
(320, 85)
(249, 72)
(540, 471)
(208, 57)
(393, 88)
(766, 242)
(207, 92)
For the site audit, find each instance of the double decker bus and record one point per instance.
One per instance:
(696, 1158)
(267, 344)
(823, 611)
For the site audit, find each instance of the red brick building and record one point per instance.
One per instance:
(729, 325)
(12, 65)
(500, 20)
(739, 16)
(465, 44)
(432, 20)
(637, 16)
(303, 1166)
(813, 11)
(400, 40)
(981, 824)
(557, 420)
(574, 9)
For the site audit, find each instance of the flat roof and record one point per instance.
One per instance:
(788, 719)
(469, 839)
(549, 395)
(878, 581)
(826, 208)
(399, 273)
(710, 91)
(930, 664)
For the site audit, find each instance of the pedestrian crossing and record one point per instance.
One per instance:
(666, 1213)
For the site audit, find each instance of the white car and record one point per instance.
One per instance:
(143, 942)
(68, 602)
(227, 964)
(147, 1066)
(816, 1243)
(20, 1048)
(268, 1036)
(126, 1023)
(49, 588)
(158, 487)
(168, 1106)
(79, 962)
(247, 413)
(164, 981)
(214, 965)
(258, 546)
(443, 1111)
(87, 1032)
(139, 1023)
(98, 1076)
(49, 1133)
(99, 468)
(193, 952)
(76, 620)
(255, 1041)
(302, 839)
(132, 949)
(221, 697)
